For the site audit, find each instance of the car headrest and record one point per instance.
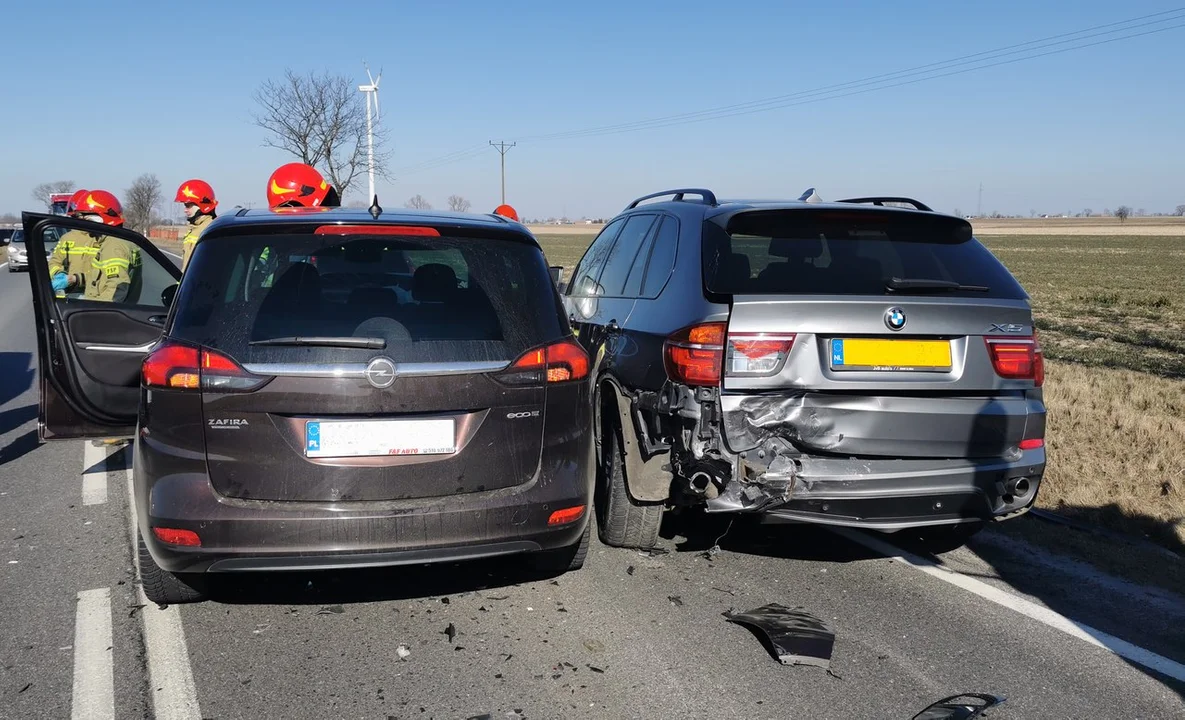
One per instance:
(434, 282)
(299, 281)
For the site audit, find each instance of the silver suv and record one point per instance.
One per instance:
(863, 363)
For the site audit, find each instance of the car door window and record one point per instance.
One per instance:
(103, 268)
(584, 280)
(662, 258)
(633, 281)
(624, 252)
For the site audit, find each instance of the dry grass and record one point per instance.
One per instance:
(1096, 226)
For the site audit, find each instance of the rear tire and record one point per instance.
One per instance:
(564, 559)
(165, 588)
(944, 538)
(621, 521)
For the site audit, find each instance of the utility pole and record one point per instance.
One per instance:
(979, 205)
(502, 149)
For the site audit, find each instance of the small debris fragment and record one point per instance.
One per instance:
(402, 652)
(594, 646)
(711, 553)
(730, 592)
(496, 597)
(596, 669)
(629, 570)
(332, 609)
(832, 674)
(675, 600)
(482, 609)
(444, 601)
(260, 628)
(26, 687)
(133, 609)
(450, 631)
(498, 676)
(795, 636)
(554, 582)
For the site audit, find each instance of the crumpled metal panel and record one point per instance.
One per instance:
(794, 636)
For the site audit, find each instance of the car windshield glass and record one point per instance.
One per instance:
(18, 237)
(428, 299)
(800, 252)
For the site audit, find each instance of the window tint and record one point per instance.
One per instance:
(104, 268)
(584, 280)
(848, 253)
(431, 299)
(633, 281)
(662, 258)
(625, 250)
(18, 237)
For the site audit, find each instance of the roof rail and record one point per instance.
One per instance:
(882, 200)
(709, 197)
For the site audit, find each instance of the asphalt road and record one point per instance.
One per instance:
(629, 636)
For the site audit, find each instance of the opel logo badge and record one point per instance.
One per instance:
(895, 318)
(380, 373)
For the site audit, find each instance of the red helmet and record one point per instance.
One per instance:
(507, 212)
(299, 185)
(72, 203)
(199, 193)
(103, 204)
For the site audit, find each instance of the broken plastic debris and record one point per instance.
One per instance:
(794, 637)
(959, 707)
(596, 669)
(675, 600)
(402, 652)
(594, 646)
(334, 609)
(451, 631)
(629, 570)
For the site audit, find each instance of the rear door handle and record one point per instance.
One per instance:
(157, 319)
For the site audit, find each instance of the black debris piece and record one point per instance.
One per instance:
(444, 601)
(26, 687)
(960, 707)
(629, 570)
(498, 676)
(561, 609)
(568, 665)
(133, 609)
(450, 631)
(331, 610)
(675, 600)
(730, 592)
(508, 656)
(557, 676)
(486, 716)
(833, 674)
(596, 669)
(498, 597)
(459, 648)
(793, 637)
(482, 609)
(555, 582)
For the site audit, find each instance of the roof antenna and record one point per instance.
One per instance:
(375, 210)
(810, 196)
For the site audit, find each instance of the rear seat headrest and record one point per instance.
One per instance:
(434, 282)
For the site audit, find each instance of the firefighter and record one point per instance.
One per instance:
(299, 185)
(71, 256)
(507, 212)
(199, 201)
(114, 260)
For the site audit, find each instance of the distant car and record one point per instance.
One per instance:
(849, 363)
(329, 390)
(17, 256)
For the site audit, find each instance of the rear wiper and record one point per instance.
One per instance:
(366, 343)
(925, 284)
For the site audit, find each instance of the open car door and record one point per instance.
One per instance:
(89, 350)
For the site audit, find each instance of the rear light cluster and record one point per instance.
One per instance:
(702, 355)
(187, 367)
(560, 362)
(173, 536)
(1017, 358)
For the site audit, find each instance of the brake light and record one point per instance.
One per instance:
(695, 355)
(173, 536)
(757, 354)
(564, 361)
(187, 367)
(567, 515)
(1017, 358)
(404, 230)
(1032, 444)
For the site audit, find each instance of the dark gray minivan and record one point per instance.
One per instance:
(329, 389)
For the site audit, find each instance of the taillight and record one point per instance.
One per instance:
(173, 536)
(695, 355)
(1017, 358)
(757, 354)
(187, 367)
(564, 361)
(1032, 443)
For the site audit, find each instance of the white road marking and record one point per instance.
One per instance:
(94, 681)
(174, 693)
(1041, 614)
(166, 252)
(3, 265)
(94, 475)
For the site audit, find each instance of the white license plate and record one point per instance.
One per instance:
(359, 438)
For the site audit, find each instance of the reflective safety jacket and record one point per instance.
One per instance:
(199, 225)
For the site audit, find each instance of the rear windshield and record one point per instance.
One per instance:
(799, 252)
(444, 299)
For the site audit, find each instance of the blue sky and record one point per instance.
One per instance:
(141, 87)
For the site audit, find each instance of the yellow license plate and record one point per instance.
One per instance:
(869, 354)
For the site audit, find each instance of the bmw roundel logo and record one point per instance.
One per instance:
(895, 318)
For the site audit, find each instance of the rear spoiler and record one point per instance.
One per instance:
(917, 204)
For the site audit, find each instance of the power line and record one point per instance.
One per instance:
(929, 71)
(502, 149)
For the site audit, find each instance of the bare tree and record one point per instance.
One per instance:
(418, 203)
(141, 201)
(321, 120)
(42, 192)
(1180, 211)
(456, 203)
(1123, 212)
(1087, 212)
(9, 219)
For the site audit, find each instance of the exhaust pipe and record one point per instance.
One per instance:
(1017, 486)
(701, 482)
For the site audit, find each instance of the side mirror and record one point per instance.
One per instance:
(169, 294)
(557, 273)
(959, 707)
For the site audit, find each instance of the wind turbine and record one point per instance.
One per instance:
(372, 93)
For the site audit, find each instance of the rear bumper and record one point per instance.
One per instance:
(899, 494)
(247, 535)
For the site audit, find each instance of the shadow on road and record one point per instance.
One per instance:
(16, 374)
(696, 531)
(20, 447)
